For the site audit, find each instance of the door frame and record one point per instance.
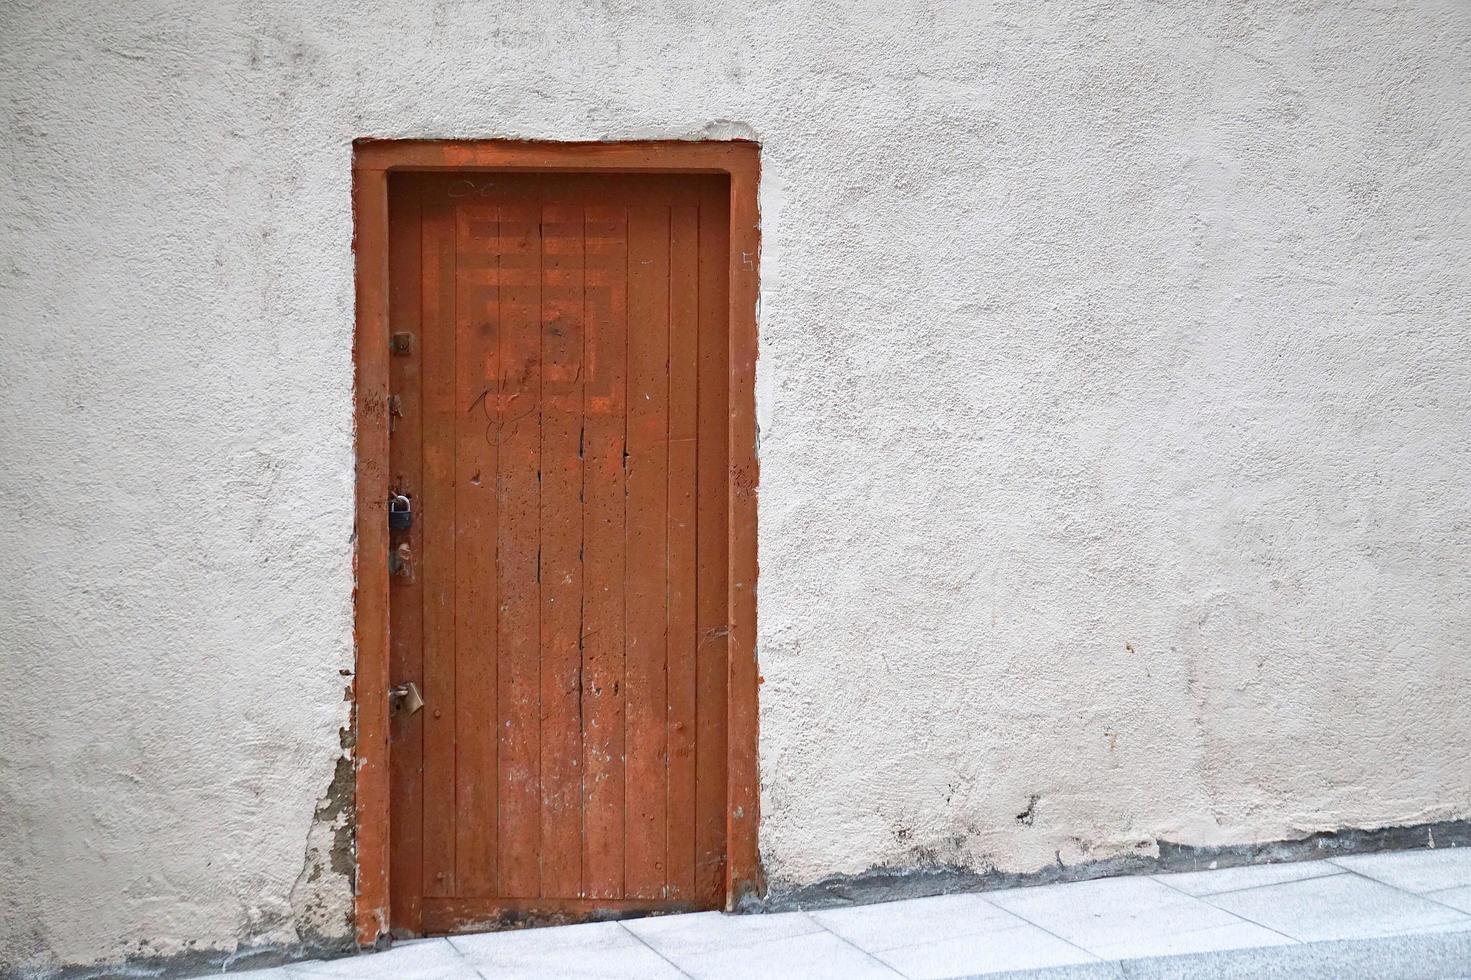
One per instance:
(372, 161)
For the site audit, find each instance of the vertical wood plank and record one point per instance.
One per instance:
(561, 550)
(518, 551)
(371, 908)
(743, 876)
(436, 563)
(406, 621)
(647, 536)
(681, 720)
(604, 406)
(711, 547)
(476, 397)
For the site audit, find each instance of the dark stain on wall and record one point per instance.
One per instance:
(884, 884)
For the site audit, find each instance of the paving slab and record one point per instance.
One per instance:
(603, 950)
(817, 955)
(1456, 898)
(592, 936)
(1021, 946)
(1336, 907)
(1429, 870)
(1114, 918)
(1212, 882)
(636, 962)
(702, 932)
(711, 945)
(1210, 939)
(888, 925)
(435, 960)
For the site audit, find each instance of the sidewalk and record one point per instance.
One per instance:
(1404, 914)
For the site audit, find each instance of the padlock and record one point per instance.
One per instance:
(400, 513)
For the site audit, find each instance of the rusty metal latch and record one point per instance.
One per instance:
(405, 697)
(401, 562)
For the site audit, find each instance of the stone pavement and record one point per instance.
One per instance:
(1401, 914)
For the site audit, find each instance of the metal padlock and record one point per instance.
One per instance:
(400, 513)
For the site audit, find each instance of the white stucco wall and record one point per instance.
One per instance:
(1114, 394)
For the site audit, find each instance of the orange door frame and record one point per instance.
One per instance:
(372, 161)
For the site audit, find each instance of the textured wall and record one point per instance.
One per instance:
(1116, 424)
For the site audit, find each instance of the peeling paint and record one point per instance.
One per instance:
(321, 899)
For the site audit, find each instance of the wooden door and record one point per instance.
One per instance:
(559, 409)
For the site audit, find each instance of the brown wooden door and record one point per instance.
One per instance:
(559, 422)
